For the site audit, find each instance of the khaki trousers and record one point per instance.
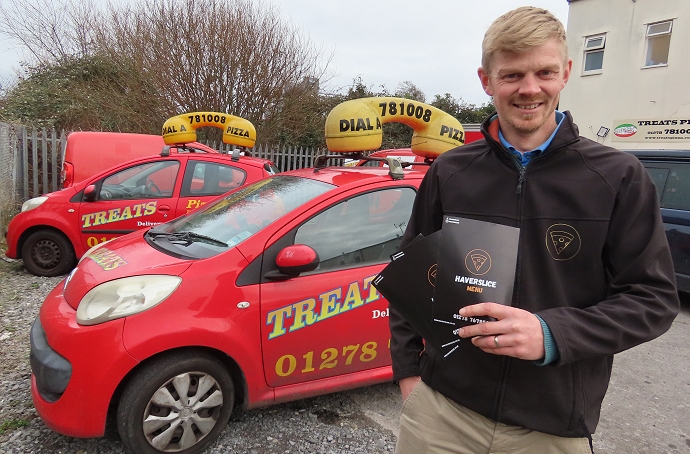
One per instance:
(432, 423)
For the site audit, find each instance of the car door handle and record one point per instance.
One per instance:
(163, 208)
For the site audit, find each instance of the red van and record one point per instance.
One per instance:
(89, 152)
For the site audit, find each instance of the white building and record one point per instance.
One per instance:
(630, 83)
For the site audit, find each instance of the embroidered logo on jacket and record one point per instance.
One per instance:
(562, 241)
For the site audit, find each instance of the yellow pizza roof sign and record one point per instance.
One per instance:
(182, 128)
(355, 125)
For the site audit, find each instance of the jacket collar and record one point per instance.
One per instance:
(567, 133)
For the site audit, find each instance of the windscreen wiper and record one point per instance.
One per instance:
(187, 238)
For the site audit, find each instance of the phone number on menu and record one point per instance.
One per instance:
(287, 364)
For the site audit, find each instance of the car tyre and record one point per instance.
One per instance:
(48, 253)
(178, 403)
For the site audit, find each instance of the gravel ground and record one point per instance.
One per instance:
(328, 424)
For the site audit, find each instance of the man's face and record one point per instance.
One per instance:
(526, 88)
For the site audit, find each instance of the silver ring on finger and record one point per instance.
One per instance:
(496, 341)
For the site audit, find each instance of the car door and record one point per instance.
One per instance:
(332, 321)
(204, 180)
(139, 196)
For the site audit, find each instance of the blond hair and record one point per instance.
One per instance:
(520, 30)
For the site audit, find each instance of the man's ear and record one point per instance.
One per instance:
(484, 79)
(566, 71)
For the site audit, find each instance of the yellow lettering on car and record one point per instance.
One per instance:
(107, 259)
(304, 313)
(348, 354)
(277, 319)
(117, 214)
(330, 303)
(150, 208)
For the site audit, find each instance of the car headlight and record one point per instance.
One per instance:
(123, 297)
(33, 203)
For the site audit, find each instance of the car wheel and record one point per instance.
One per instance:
(178, 403)
(48, 253)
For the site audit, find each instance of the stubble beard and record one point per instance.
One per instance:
(525, 124)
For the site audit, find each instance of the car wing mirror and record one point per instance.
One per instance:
(293, 260)
(90, 193)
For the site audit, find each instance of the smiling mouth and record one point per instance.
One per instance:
(527, 106)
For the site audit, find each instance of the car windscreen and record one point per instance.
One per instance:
(228, 221)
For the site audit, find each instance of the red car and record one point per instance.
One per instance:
(52, 231)
(260, 297)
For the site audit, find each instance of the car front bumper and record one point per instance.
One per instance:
(75, 369)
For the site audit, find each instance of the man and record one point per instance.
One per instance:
(594, 273)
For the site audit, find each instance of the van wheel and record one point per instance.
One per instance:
(48, 253)
(178, 403)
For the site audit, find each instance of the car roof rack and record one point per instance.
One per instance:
(181, 148)
(395, 166)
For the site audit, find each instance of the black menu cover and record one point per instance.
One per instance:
(466, 262)
(407, 282)
(476, 263)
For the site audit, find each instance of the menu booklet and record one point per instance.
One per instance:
(407, 282)
(476, 263)
(466, 262)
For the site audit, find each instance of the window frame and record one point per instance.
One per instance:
(131, 192)
(194, 164)
(649, 35)
(339, 205)
(591, 50)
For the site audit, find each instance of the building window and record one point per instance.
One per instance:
(594, 54)
(658, 43)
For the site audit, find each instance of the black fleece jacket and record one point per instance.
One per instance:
(593, 263)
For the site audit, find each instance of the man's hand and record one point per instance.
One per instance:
(516, 332)
(407, 384)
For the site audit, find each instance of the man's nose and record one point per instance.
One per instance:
(529, 85)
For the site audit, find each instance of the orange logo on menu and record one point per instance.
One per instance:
(478, 262)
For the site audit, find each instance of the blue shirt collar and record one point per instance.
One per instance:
(528, 155)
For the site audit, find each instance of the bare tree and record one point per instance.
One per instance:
(49, 30)
(232, 56)
(409, 90)
(149, 60)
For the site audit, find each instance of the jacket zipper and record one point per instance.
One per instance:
(505, 363)
(521, 180)
(523, 169)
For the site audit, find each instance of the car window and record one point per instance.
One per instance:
(672, 182)
(149, 180)
(210, 178)
(234, 218)
(659, 177)
(361, 230)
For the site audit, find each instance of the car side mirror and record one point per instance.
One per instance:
(90, 193)
(293, 260)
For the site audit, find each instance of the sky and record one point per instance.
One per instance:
(435, 44)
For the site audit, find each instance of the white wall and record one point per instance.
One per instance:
(624, 90)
